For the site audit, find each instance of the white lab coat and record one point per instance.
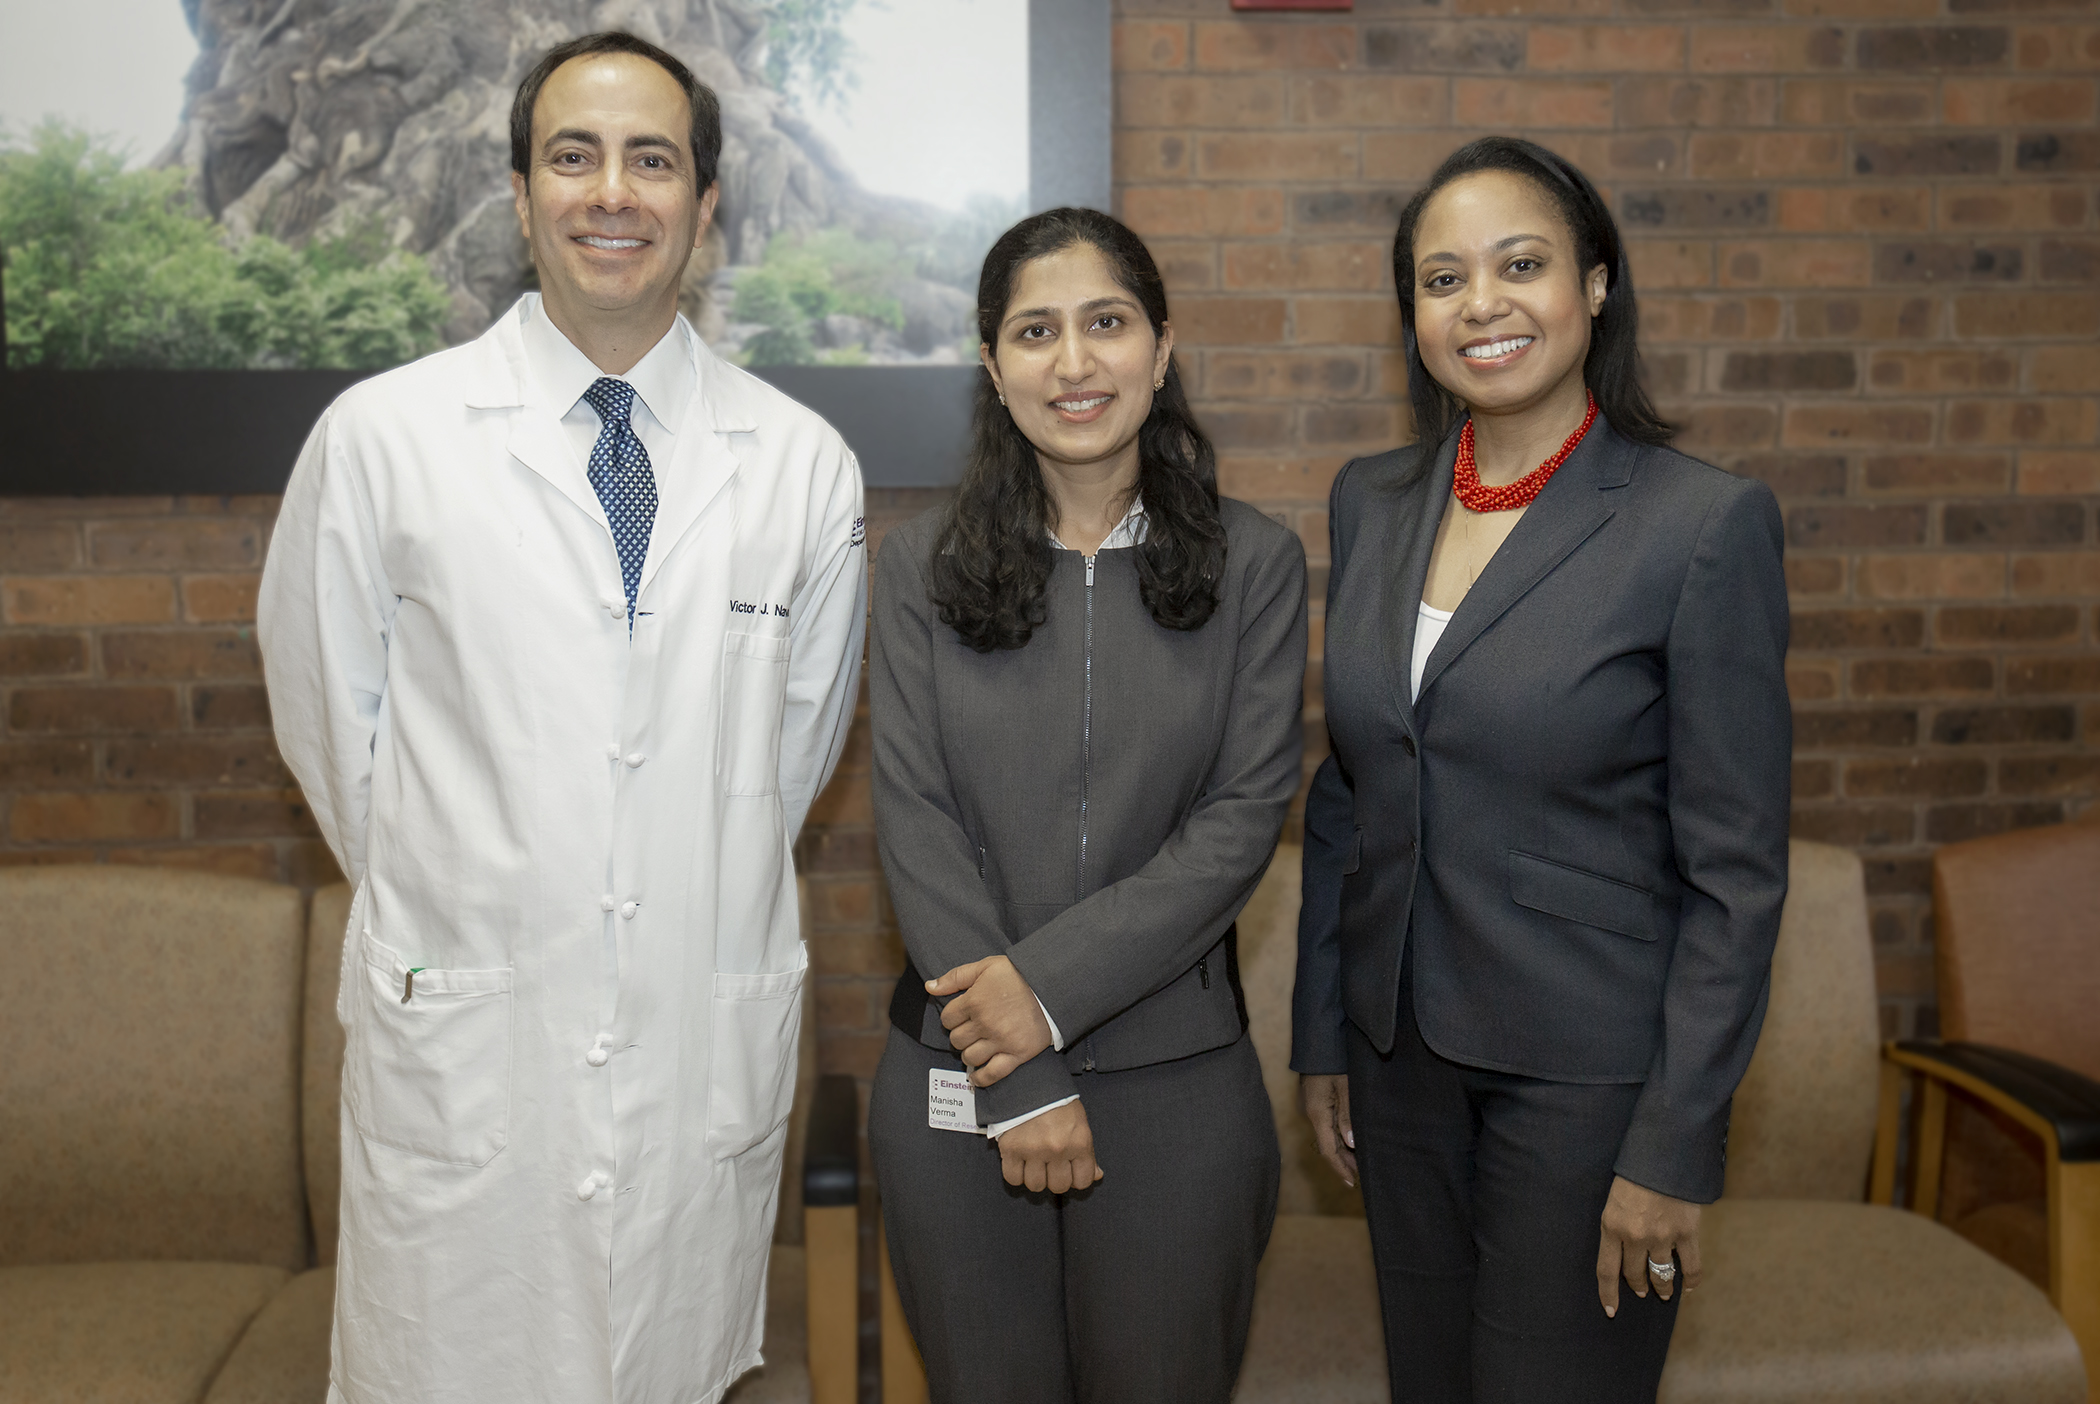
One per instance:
(561, 1155)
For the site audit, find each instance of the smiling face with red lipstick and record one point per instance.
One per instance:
(1502, 307)
(1076, 361)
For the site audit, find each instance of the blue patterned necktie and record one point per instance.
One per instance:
(626, 487)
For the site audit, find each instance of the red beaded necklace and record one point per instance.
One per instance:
(1465, 477)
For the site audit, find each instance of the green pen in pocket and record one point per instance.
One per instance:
(408, 986)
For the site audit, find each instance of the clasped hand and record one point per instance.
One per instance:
(994, 1020)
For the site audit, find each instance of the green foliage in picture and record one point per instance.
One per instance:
(107, 267)
(807, 49)
(803, 280)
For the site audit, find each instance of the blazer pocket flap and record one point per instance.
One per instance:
(1355, 860)
(1577, 895)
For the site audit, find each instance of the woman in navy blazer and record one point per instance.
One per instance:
(1545, 861)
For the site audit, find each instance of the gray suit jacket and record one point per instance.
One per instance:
(1098, 805)
(1581, 824)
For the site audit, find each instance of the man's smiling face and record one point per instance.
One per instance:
(611, 208)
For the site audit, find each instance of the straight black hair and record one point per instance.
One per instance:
(1612, 368)
(991, 562)
(704, 136)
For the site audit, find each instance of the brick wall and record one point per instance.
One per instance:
(1866, 236)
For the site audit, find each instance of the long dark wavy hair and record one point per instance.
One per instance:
(991, 562)
(1612, 368)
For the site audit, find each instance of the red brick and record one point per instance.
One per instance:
(2049, 776)
(2013, 523)
(1608, 156)
(1854, 825)
(229, 706)
(1532, 8)
(1671, 263)
(2023, 315)
(1274, 43)
(176, 544)
(1142, 155)
(1708, 430)
(1531, 102)
(1188, 265)
(1916, 777)
(1337, 321)
(1445, 48)
(195, 760)
(1697, 102)
(1811, 682)
(2057, 573)
(184, 653)
(1718, 48)
(81, 711)
(1371, 425)
(2013, 207)
(1936, 575)
(1761, 155)
(2071, 370)
(1792, 475)
(1176, 100)
(1139, 44)
(1271, 156)
(1771, 372)
(1814, 779)
(1986, 726)
(2078, 672)
(1867, 317)
(2060, 473)
(1854, 727)
(88, 599)
(2054, 421)
(309, 864)
(1895, 154)
(1372, 100)
(1827, 209)
(1229, 321)
(1814, 575)
(1258, 479)
(2057, 46)
(1601, 48)
(1942, 371)
(1404, 156)
(38, 546)
(27, 764)
(1812, 426)
(877, 953)
(1957, 822)
(1831, 525)
(1340, 267)
(1283, 374)
(26, 655)
(1922, 677)
(281, 813)
(220, 599)
(1667, 319)
(1938, 46)
(1845, 102)
(1796, 263)
(1243, 427)
(1158, 210)
(2010, 624)
(1846, 629)
(2005, 102)
(85, 818)
(1937, 473)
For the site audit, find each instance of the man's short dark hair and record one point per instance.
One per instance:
(706, 134)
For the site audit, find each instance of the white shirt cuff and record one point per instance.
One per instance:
(1057, 1040)
(1000, 1128)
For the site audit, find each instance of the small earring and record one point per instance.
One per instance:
(1160, 384)
(1002, 399)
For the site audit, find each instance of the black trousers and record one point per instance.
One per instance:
(1484, 1192)
(1137, 1290)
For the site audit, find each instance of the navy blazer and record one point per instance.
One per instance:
(1582, 822)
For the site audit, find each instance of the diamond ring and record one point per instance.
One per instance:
(1664, 1272)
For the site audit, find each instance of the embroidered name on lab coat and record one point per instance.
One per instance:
(772, 611)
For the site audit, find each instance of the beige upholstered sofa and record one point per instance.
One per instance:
(1813, 1296)
(169, 1059)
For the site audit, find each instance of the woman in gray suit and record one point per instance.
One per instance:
(1085, 681)
(1545, 861)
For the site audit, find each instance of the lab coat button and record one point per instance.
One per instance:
(612, 751)
(616, 608)
(597, 1057)
(588, 1188)
(606, 903)
(635, 759)
(630, 909)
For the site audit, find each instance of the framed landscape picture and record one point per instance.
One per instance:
(217, 214)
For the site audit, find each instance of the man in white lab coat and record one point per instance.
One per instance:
(562, 630)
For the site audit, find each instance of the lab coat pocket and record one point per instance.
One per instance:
(754, 696)
(429, 1074)
(752, 1077)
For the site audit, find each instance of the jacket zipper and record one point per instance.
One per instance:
(1086, 751)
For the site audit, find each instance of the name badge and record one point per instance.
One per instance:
(951, 1102)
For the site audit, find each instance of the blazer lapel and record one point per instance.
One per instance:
(1566, 513)
(1416, 514)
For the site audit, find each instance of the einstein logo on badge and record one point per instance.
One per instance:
(860, 533)
(951, 1102)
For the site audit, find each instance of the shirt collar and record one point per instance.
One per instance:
(663, 379)
(1129, 532)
